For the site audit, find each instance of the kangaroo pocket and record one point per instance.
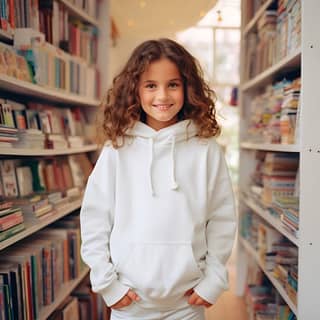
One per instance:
(158, 271)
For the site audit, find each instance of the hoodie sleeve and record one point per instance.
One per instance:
(221, 226)
(96, 220)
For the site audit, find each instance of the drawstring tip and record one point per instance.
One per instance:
(174, 186)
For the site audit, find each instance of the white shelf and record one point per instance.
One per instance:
(273, 221)
(64, 292)
(27, 88)
(46, 152)
(256, 17)
(270, 276)
(32, 228)
(270, 146)
(79, 13)
(292, 60)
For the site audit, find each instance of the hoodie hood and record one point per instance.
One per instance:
(180, 131)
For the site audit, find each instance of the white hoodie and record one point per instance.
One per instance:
(158, 217)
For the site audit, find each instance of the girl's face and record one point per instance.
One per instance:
(161, 93)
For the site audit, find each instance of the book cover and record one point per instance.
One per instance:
(8, 178)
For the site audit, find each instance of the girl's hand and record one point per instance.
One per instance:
(126, 300)
(195, 299)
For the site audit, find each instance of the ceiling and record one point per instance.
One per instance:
(154, 18)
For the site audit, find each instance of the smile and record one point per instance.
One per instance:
(162, 107)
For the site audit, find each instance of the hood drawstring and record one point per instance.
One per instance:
(150, 165)
(174, 185)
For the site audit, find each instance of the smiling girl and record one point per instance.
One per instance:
(157, 219)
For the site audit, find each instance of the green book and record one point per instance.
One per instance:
(11, 232)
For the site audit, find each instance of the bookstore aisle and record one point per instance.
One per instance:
(278, 242)
(51, 53)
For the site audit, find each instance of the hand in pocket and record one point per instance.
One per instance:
(126, 300)
(195, 299)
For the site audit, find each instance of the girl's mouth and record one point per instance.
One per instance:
(163, 107)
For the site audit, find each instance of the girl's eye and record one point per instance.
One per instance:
(173, 85)
(150, 86)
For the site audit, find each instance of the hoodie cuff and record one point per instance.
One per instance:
(114, 292)
(210, 290)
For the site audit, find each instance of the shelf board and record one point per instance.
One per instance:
(6, 36)
(63, 293)
(273, 221)
(23, 152)
(79, 13)
(256, 17)
(269, 274)
(270, 146)
(27, 88)
(292, 60)
(32, 227)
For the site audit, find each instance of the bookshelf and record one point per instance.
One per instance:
(65, 291)
(25, 152)
(298, 61)
(17, 86)
(23, 91)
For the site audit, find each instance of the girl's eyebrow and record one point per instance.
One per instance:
(175, 79)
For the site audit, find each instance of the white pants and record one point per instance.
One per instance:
(135, 312)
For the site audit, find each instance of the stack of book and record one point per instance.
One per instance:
(273, 114)
(11, 220)
(279, 176)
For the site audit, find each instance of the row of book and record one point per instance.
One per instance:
(278, 34)
(38, 125)
(83, 304)
(53, 19)
(262, 300)
(275, 187)
(33, 273)
(35, 60)
(276, 254)
(274, 114)
(252, 7)
(23, 177)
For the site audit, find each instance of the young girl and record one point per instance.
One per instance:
(157, 219)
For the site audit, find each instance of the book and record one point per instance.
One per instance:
(8, 178)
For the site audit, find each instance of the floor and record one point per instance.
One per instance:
(229, 306)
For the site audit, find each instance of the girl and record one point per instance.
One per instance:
(157, 219)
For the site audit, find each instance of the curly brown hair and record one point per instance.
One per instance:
(121, 107)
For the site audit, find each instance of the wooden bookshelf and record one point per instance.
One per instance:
(266, 77)
(29, 152)
(27, 88)
(79, 13)
(34, 227)
(252, 23)
(275, 282)
(265, 215)
(63, 293)
(270, 146)
(304, 61)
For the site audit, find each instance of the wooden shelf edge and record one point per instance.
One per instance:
(80, 13)
(289, 60)
(24, 152)
(64, 292)
(40, 225)
(270, 219)
(273, 280)
(8, 83)
(256, 17)
(270, 146)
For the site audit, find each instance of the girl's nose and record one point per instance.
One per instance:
(162, 93)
